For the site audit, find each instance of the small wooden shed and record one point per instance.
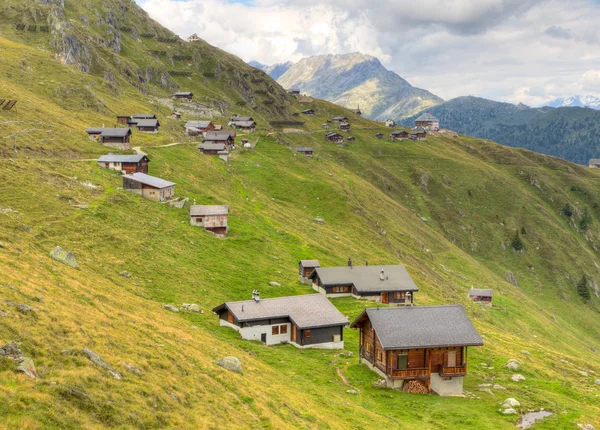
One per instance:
(184, 95)
(211, 218)
(481, 295)
(124, 163)
(305, 268)
(150, 187)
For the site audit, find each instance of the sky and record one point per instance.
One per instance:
(528, 51)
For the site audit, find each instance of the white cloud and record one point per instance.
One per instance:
(515, 50)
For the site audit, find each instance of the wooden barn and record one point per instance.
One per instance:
(125, 163)
(344, 126)
(201, 126)
(307, 152)
(118, 138)
(212, 148)
(418, 134)
(334, 137)
(351, 139)
(481, 295)
(427, 344)
(428, 122)
(245, 126)
(187, 96)
(211, 218)
(399, 135)
(235, 118)
(149, 187)
(147, 125)
(305, 268)
(219, 138)
(309, 112)
(123, 119)
(340, 119)
(379, 135)
(385, 284)
(306, 321)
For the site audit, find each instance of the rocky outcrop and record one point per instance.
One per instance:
(66, 257)
(513, 364)
(232, 364)
(95, 358)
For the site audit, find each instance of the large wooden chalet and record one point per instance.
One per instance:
(385, 284)
(334, 137)
(211, 218)
(418, 134)
(194, 128)
(428, 122)
(147, 125)
(344, 126)
(246, 126)
(224, 138)
(399, 135)
(422, 343)
(118, 138)
(184, 95)
(149, 187)
(125, 163)
(212, 148)
(307, 321)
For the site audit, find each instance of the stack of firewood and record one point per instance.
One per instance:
(414, 386)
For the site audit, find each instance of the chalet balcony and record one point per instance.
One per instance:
(445, 371)
(409, 373)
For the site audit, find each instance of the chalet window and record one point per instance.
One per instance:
(368, 348)
(340, 289)
(283, 329)
(275, 330)
(399, 295)
(199, 219)
(306, 333)
(379, 355)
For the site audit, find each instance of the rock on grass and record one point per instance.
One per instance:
(232, 364)
(66, 257)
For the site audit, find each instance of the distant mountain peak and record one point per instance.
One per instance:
(575, 101)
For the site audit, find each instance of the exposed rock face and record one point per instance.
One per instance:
(171, 308)
(511, 403)
(513, 364)
(131, 368)
(191, 307)
(232, 364)
(11, 350)
(510, 277)
(27, 367)
(66, 257)
(95, 358)
(509, 411)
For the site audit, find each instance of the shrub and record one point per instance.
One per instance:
(517, 243)
(586, 220)
(583, 290)
(567, 210)
(523, 231)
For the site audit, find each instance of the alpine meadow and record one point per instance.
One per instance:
(99, 349)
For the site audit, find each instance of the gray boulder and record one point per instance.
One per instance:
(509, 411)
(513, 364)
(319, 220)
(274, 284)
(125, 274)
(171, 308)
(351, 392)
(585, 426)
(3, 314)
(95, 358)
(66, 257)
(232, 364)
(27, 367)
(597, 381)
(517, 377)
(191, 307)
(583, 373)
(498, 387)
(511, 403)
(131, 368)
(11, 350)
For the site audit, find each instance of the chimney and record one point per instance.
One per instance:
(382, 275)
(350, 263)
(367, 263)
(256, 296)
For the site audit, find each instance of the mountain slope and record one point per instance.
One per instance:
(275, 71)
(569, 133)
(353, 80)
(576, 101)
(447, 208)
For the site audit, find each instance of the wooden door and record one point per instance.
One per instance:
(263, 338)
(402, 361)
(384, 298)
(451, 358)
(293, 333)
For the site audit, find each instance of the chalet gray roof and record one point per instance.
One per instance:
(239, 123)
(212, 146)
(148, 123)
(308, 110)
(242, 118)
(332, 134)
(184, 93)
(368, 278)
(117, 158)
(418, 131)
(594, 161)
(149, 180)
(310, 263)
(340, 118)
(221, 137)
(426, 117)
(109, 132)
(198, 124)
(307, 311)
(422, 327)
(399, 132)
(194, 129)
(481, 292)
(210, 134)
(144, 116)
(199, 210)
(303, 149)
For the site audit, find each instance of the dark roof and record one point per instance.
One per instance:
(212, 146)
(303, 149)
(398, 132)
(481, 292)
(340, 118)
(426, 117)
(240, 123)
(333, 134)
(217, 137)
(368, 278)
(308, 110)
(310, 263)
(422, 327)
(211, 134)
(198, 124)
(149, 180)
(109, 132)
(184, 93)
(117, 158)
(94, 130)
(242, 118)
(308, 311)
(148, 123)
(196, 210)
(144, 116)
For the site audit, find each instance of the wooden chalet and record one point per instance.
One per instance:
(379, 135)
(340, 119)
(390, 123)
(428, 122)
(427, 344)
(481, 295)
(385, 284)
(211, 218)
(306, 321)
(241, 118)
(194, 38)
(307, 152)
(212, 148)
(220, 138)
(125, 163)
(334, 137)
(418, 134)
(246, 126)
(309, 112)
(594, 163)
(293, 91)
(147, 125)
(123, 119)
(399, 135)
(325, 126)
(198, 127)
(118, 138)
(187, 96)
(149, 187)
(344, 126)
(143, 116)
(175, 115)
(305, 268)
(351, 139)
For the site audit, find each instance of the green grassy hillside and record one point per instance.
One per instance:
(447, 208)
